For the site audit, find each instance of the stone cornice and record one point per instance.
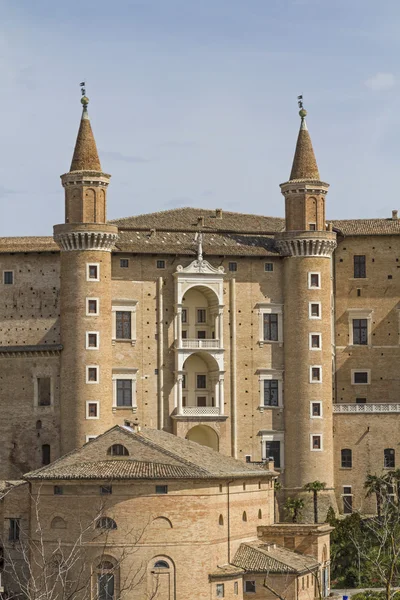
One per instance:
(91, 236)
(306, 243)
(37, 350)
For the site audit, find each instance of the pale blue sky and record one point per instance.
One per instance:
(193, 103)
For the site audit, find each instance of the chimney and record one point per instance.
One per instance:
(395, 214)
(200, 221)
(218, 213)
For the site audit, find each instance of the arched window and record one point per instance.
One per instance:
(106, 523)
(161, 564)
(39, 424)
(105, 581)
(46, 454)
(58, 523)
(389, 458)
(221, 520)
(117, 450)
(260, 514)
(244, 516)
(347, 458)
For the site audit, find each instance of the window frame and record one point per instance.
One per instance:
(201, 309)
(357, 313)
(88, 381)
(310, 305)
(253, 582)
(117, 325)
(15, 529)
(272, 436)
(127, 374)
(92, 264)
(392, 453)
(161, 490)
(360, 270)
(92, 314)
(158, 264)
(268, 270)
(310, 338)
(319, 402)
(346, 458)
(311, 373)
(121, 266)
(121, 305)
(97, 334)
(270, 308)
(265, 375)
(7, 271)
(234, 266)
(320, 436)
(310, 275)
(36, 391)
(90, 438)
(355, 371)
(220, 590)
(97, 404)
(202, 388)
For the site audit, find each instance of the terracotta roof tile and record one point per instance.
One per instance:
(367, 226)
(260, 557)
(28, 244)
(86, 157)
(304, 163)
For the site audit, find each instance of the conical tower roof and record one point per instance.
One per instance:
(304, 163)
(86, 157)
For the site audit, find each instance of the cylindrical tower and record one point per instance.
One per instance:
(85, 242)
(307, 245)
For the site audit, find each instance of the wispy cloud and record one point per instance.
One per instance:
(381, 82)
(124, 157)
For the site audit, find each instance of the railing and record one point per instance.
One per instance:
(196, 344)
(366, 408)
(200, 411)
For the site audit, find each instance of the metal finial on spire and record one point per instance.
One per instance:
(302, 111)
(84, 99)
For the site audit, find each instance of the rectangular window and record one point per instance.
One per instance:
(124, 392)
(124, 263)
(46, 454)
(316, 410)
(250, 587)
(201, 401)
(360, 377)
(201, 315)
(236, 588)
(271, 392)
(201, 382)
(14, 530)
(161, 489)
(123, 324)
(201, 335)
(315, 310)
(273, 450)
(315, 374)
(8, 277)
(359, 266)
(232, 266)
(92, 340)
(184, 381)
(346, 458)
(161, 264)
(220, 590)
(360, 332)
(361, 401)
(105, 490)
(93, 272)
(314, 281)
(184, 315)
(268, 267)
(44, 391)
(347, 505)
(316, 441)
(92, 306)
(315, 341)
(184, 334)
(58, 490)
(312, 226)
(92, 410)
(270, 327)
(92, 374)
(389, 458)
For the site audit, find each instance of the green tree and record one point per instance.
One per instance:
(375, 485)
(293, 508)
(315, 487)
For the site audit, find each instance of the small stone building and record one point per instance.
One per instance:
(145, 514)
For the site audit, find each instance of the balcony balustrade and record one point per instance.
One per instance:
(195, 344)
(383, 407)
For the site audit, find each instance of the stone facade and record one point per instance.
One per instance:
(199, 293)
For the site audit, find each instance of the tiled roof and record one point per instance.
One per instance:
(226, 571)
(259, 557)
(368, 226)
(166, 242)
(7, 485)
(304, 163)
(28, 244)
(86, 157)
(154, 455)
(187, 219)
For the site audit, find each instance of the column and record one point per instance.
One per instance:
(179, 390)
(221, 394)
(179, 326)
(221, 327)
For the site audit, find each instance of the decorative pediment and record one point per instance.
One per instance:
(200, 266)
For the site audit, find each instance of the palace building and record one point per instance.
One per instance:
(256, 336)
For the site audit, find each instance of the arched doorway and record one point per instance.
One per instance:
(204, 435)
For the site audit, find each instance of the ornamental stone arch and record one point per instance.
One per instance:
(161, 578)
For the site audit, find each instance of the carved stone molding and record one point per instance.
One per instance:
(86, 240)
(306, 243)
